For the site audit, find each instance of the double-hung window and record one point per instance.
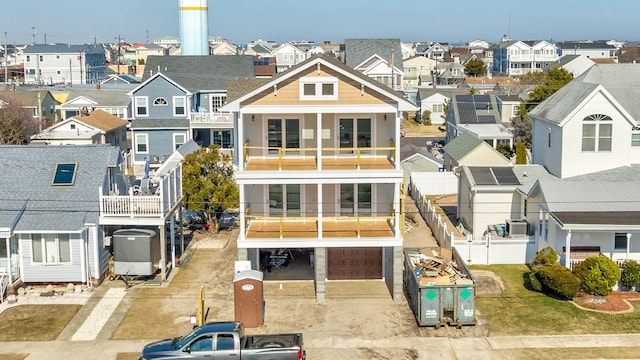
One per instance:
(179, 107)
(141, 106)
(50, 248)
(142, 143)
(178, 140)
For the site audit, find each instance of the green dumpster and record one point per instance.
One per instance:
(438, 300)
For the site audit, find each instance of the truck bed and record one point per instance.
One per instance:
(272, 341)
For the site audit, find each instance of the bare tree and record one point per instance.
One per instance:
(16, 124)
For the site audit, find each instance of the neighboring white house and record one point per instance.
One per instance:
(515, 58)
(575, 64)
(287, 55)
(64, 64)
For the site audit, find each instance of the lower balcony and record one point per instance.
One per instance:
(307, 227)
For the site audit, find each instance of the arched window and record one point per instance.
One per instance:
(597, 132)
(160, 101)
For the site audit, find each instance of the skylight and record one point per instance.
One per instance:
(65, 174)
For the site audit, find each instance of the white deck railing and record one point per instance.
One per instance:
(213, 118)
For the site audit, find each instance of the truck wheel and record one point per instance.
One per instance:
(112, 278)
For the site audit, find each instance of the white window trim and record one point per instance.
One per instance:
(176, 135)
(166, 103)
(135, 105)
(184, 105)
(44, 252)
(319, 81)
(135, 140)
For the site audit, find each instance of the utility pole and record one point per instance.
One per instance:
(6, 71)
(80, 58)
(45, 38)
(70, 74)
(118, 55)
(33, 35)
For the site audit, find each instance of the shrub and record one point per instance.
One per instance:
(630, 276)
(546, 256)
(521, 153)
(426, 118)
(597, 274)
(558, 280)
(534, 282)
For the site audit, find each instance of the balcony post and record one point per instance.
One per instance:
(319, 143)
(567, 252)
(319, 205)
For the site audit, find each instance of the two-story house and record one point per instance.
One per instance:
(182, 102)
(515, 58)
(64, 64)
(477, 115)
(41, 104)
(287, 55)
(319, 171)
(587, 135)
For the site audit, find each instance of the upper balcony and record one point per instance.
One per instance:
(211, 119)
(140, 208)
(260, 158)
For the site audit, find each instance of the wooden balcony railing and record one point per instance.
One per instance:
(333, 158)
(307, 227)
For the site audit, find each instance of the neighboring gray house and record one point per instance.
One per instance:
(182, 102)
(49, 228)
(64, 64)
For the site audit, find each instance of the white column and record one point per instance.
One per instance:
(567, 246)
(243, 210)
(319, 141)
(173, 242)
(319, 211)
(628, 244)
(239, 148)
(396, 205)
(9, 252)
(83, 258)
(96, 256)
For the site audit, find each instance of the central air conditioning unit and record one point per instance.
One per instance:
(516, 227)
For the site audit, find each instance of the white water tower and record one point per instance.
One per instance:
(194, 27)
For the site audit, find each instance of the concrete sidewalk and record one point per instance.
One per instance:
(436, 348)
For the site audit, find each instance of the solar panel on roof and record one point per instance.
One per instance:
(467, 113)
(482, 176)
(482, 98)
(505, 176)
(464, 98)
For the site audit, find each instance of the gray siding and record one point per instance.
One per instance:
(39, 273)
(160, 87)
(160, 142)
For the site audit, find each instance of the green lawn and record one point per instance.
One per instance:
(520, 311)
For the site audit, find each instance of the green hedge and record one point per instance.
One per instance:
(630, 276)
(558, 280)
(598, 275)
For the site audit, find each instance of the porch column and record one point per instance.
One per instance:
(397, 211)
(163, 252)
(495, 143)
(173, 241)
(320, 271)
(239, 147)
(319, 211)
(567, 252)
(319, 140)
(628, 244)
(83, 258)
(243, 210)
(9, 264)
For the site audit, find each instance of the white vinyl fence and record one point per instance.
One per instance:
(481, 250)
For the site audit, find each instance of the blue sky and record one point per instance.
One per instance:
(83, 21)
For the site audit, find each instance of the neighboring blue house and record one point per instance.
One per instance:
(181, 101)
(49, 225)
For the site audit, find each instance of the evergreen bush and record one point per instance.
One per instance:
(598, 275)
(546, 256)
(558, 280)
(630, 276)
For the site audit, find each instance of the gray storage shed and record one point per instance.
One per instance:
(136, 252)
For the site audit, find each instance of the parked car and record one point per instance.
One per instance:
(193, 220)
(226, 340)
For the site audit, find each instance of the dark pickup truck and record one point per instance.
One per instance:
(226, 340)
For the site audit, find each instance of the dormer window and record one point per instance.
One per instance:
(319, 88)
(160, 101)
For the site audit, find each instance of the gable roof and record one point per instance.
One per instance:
(27, 98)
(356, 51)
(617, 80)
(105, 98)
(404, 104)
(101, 120)
(462, 145)
(197, 73)
(48, 207)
